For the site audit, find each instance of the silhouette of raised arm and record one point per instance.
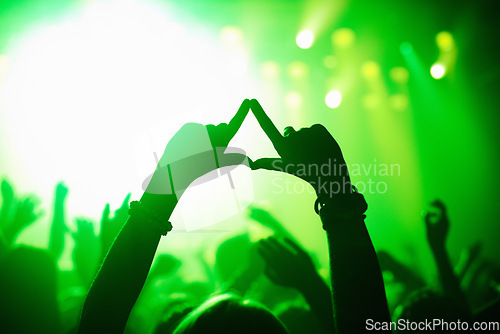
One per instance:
(125, 268)
(437, 225)
(58, 227)
(26, 212)
(287, 264)
(86, 251)
(8, 200)
(358, 289)
(110, 226)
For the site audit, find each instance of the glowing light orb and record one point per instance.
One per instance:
(370, 70)
(293, 100)
(231, 35)
(437, 71)
(305, 39)
(298, 70)
(330, 62)
(333, 99)
(270, 69)
(399, 75)
(445, 41)
(343, 38)
(406, 48)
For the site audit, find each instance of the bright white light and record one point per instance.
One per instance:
(270, 69)
(231, 35)
(79, 92)
(333, 99)
(437, 71)
(293, 100)
(305, 39)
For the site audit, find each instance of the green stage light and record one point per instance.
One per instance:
(398, 102)
(406, 48)
(399, 75)
(438, 71)
(445, 41)
(270, 69)
(231, 35)
(293, 100)
(330, 62)
(370, 69)
(333, 99)
(87, 86)
(298, 70)
(343, 38)
(305, 39)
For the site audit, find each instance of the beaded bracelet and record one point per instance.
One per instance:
(138, 210)
(347, 207)
(353, 201)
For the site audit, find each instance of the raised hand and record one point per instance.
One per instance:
(111, 226)
(311, 154)
(266, 219)
(86, 251)
(189, 155)
(58, 228)
(194, 151)
(8, 199)
(26, 213)
(7, 192)
(61, 192)
(286, 263)
(437, 224)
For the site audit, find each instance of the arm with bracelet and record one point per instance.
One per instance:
(358, 289)
(126, 266)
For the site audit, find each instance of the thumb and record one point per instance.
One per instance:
(125, 203)
(231, 156)
(267, 163)
(105, 213)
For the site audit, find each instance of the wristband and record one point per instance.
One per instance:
(138, 210)
(344, 207)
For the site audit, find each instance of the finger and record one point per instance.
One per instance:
(105, 213)
(39, 213)
(428, 219)
(267, 125)
(439, 204)
(235, 123)
(34, 200)
(233, 159)
(126, 201)
(288, 131)
(210, 129)
(267, 163)
(271, 274)
(275, 246)
(294, 246)
(264, 252)
(271, 246)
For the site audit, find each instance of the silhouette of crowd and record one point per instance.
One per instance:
(272, 285)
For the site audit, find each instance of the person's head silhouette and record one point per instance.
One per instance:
(230, 314)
